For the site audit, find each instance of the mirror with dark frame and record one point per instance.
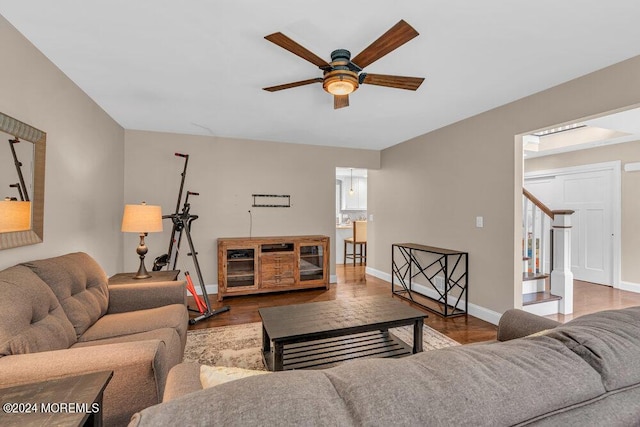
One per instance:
(22, 164)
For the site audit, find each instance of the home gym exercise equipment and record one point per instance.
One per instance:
(21, 186)
(182, 221)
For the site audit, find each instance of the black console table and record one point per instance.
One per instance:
(449, 267)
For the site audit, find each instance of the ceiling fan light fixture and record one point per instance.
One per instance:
(340, 87)
(342, 76)
(340, 82)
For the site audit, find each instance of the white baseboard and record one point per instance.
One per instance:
(543, 308)
(211, 289)
(379, 274)
(629, 286)
(485, 314)
(333, 278)
(474, 310)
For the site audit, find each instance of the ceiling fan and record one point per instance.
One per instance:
(344, 75)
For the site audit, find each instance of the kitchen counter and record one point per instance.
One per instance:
(343, 231)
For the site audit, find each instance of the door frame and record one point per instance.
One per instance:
(615, 168)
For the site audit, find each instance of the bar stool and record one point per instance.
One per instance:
(359, 239)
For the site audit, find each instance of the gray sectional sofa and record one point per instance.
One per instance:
(584, 372)
(59, 317)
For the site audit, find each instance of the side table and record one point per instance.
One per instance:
(69, 401)
(156, 276)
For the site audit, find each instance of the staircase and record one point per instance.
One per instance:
(538, 260)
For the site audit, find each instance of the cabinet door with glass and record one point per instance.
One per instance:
(312, 262)
(240, 269)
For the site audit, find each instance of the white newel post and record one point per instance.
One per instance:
(561, 276)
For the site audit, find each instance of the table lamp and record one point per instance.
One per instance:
(14, 216)
(142, 219)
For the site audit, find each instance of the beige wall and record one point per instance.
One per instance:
(85, 155)
(630, 184)
(226, 172)
(442, 180)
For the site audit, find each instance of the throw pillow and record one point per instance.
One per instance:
(539, 333)
(211, 376)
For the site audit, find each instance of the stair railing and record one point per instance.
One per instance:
(548, 232)
(537, 235)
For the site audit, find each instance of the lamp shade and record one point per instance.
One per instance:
(14, 216)
(142, 218)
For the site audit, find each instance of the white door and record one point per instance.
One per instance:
(590, 195)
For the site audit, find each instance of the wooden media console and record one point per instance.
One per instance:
(272, 264)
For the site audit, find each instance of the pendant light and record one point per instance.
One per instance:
(351, 189)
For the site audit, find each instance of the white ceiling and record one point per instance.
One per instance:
(198, 67)
(611, 129)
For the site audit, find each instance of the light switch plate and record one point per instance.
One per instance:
(479, 222)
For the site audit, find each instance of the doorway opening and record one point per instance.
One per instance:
(351, 205)
(587, 167)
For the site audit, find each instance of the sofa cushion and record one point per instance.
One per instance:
(292, 398)
(31, 318)
(80, 285)
(615, 409)
(482, 385)
(168, 336)
(491, 384)
(609, 341)
(132, 322)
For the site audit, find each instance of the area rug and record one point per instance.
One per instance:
(239, 345)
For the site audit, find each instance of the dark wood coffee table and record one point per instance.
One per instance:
(321, 334)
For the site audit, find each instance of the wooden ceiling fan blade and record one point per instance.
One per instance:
(398, 82)
(340, 101)
(294, 84)
(397, 35)
(297, 49)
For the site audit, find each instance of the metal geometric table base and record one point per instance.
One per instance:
(449, 267)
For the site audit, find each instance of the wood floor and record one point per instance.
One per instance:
(589, 298)
(353, 283)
